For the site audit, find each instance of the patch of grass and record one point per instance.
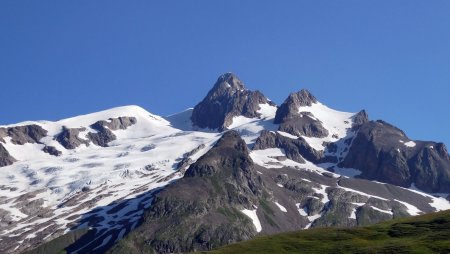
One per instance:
(428, 233)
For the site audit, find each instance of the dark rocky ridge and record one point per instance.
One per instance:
(51, 150)
(5, 158)
(379, 154)
(69, 139)
(23, 134)
(296, 123)
(295, 149)
(104, 134)
(19, 135)
(227, 99)
(359, 119)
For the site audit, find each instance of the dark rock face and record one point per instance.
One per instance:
(290, 106)
(104, 134)
(297, 123)
(69, 139)
(51, 150)
(201, 210)
(5, 158)
(295, 149)
(227, 99)
(122, 123)
(19, 135)
(360, 118)
(23, 134)
(379, 154)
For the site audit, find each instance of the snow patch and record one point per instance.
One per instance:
(352, 214)
(250, 128)
(322, 191)
(381, 210)
(439, 201)
(288, 135)
(412, 210)
(252, 215)
(282, 208)
(409, 143)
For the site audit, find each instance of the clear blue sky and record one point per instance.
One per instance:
(63, 58)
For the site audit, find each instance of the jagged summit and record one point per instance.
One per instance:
(228, 81)
(303, 98)
(228, 98)
(293, 102)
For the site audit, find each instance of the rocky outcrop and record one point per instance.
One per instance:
(295, 149)
(23, 134)
(19, 135)
(120, 123)
(51, 150)
(227, 99)
(69, 139)
(359, 119)
(104, 135)
(384, 153)
(299, 123)
(5, 158)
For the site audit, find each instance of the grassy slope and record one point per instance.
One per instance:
(428, 233)
(57, 245)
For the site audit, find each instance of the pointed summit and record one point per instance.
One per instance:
(229, 81)
(293, 102)
(228, 98)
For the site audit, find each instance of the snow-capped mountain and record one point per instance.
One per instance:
(234, 166)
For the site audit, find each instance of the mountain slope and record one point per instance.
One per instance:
(103, 183)
(422, 234)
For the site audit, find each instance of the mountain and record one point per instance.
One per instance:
(234, 167)
(226, 100)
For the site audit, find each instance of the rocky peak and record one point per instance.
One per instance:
(206, 202)
(230, 148)
(294, 101)
(228, 81)
(291, 121)
(228, 98)
(303, 98)
(384, 153)
(360, 118)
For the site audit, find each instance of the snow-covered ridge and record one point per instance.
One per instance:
(61, 190)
